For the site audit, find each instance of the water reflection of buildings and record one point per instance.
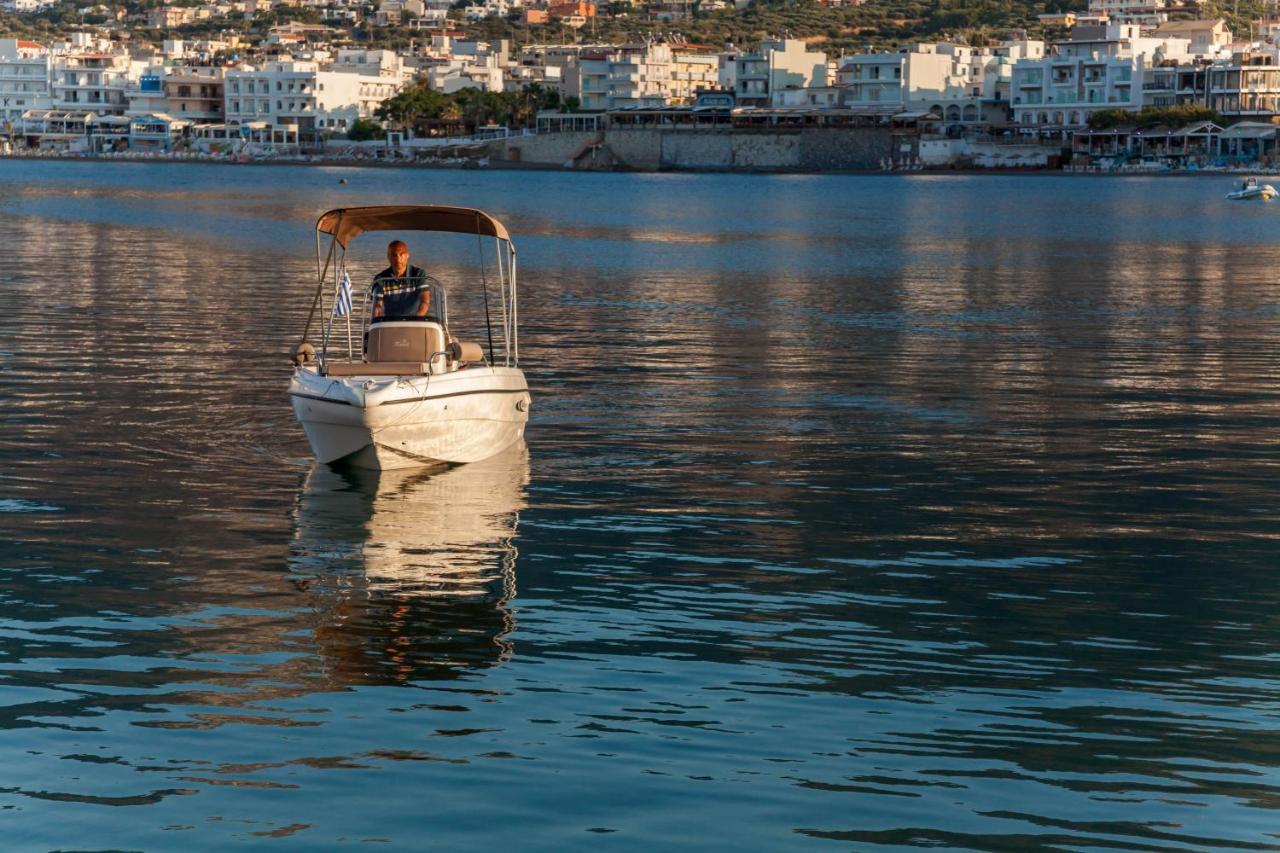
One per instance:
(409, 574)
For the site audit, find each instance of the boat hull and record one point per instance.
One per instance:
(409, 422)
(1265, 193)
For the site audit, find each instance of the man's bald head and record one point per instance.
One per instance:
(398, 257)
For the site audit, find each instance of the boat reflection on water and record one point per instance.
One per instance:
(410, 573)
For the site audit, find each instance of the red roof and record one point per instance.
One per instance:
(30, 44)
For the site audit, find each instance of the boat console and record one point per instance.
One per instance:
(404, 340)
(408, 348)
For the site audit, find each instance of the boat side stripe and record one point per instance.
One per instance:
(414, 399)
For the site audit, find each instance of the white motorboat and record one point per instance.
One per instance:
(1251, 189)
(401, 392)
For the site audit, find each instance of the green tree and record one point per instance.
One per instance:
(413, 103)
(1149, 117)
(363, 130)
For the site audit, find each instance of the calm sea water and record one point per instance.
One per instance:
(855, 513)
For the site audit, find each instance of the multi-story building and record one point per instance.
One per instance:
(94, 81)
(166, 17)
(516, 77)
(571, 9)
(876, 80)
(1143, 12)
(146, 94)
(589, 79)
(609, 77)
(375, 63)
(640, 76)
(1245, 87)
(1208, 37)
(692, 71)
(964, 85)
(484, 72)
(196, 93)
(753, 76)
(24, 78)
(1100, 68)
(299, 95)
(561, 62)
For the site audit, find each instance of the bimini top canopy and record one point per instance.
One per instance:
(348, 223)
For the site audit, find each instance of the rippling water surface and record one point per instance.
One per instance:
(855, 513)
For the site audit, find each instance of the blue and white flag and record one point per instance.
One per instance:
(343, 304)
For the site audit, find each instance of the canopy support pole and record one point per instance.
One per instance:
(502, 294)
(320, 274)
(484, 286)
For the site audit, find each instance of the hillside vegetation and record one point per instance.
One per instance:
(874, 25)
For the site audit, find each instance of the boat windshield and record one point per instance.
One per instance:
(400, 298)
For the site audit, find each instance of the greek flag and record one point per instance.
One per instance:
(343, 304)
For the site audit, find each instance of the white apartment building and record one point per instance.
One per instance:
(484, 72)
(1099, 68)
(195, 93)
(608, 77)
(877, 81)
(778, 64)
(963, 84)
(1142, 12)
(146, 94)
(1247, 86)
(589, 80)
(516, 77)
(690, 72)
(24, 78)
(299, 94)
(640, 76)
(1208, 37)
(560, 58)
(374, 63)
(93, 81)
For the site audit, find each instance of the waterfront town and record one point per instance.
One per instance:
(1124, 85)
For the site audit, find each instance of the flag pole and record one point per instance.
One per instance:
(346, 283)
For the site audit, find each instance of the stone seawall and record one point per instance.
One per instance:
(660, 149)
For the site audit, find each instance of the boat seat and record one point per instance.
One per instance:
(404, 341)
(377, 368)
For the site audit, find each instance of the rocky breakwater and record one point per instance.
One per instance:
(671, 149)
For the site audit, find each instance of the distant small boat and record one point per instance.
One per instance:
(1250, 189)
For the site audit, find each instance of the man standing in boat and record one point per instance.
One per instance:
(400, 291)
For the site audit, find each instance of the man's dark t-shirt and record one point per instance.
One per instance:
(401, 295)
